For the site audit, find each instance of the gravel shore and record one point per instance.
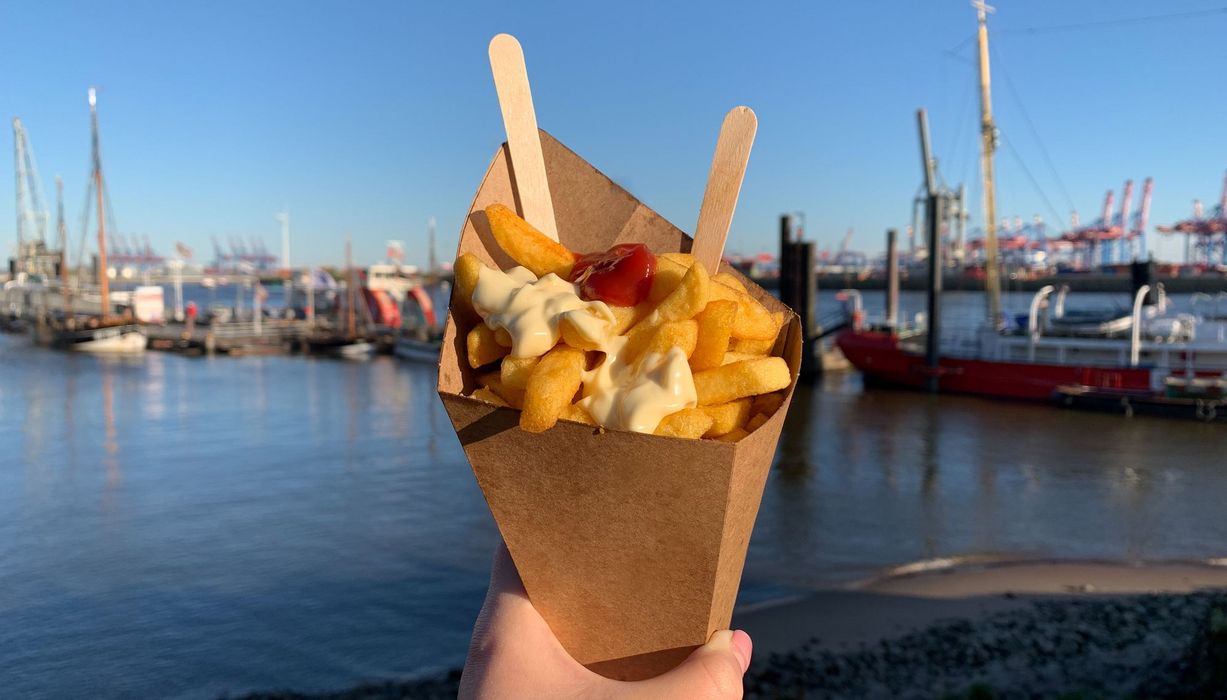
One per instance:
(1075, 631)
(1147, 646)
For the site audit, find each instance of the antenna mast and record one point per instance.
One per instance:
(988, 144)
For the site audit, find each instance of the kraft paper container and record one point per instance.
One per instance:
(631, 546)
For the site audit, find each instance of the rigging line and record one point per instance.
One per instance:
(1034, 183)
(957, 149)
(1052, 168)
(953, 51)
(1111, 22)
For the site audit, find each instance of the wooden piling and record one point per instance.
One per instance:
(892, 278)
(799, 290)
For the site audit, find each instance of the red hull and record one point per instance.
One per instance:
(880, 358)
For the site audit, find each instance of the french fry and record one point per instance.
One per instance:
(767, 404)
(515, 371)
(686, 260)
(753, 320)
(627, 316)
(637, 340)
(674, 334)
(753, 348)
(756, 422)
(730, 357)
(740, 379)
(733, 436)
(727, 417)
(528, 246)
(687, 300)
(577, 414)
(465, 273)
(670, 269)
(728, 280)
(715, 325)
(551, 386)
(761, 346)
(571, 336)
(689, 423)
(493, 382)
(502, 337)
(483, 348)
(487, 394)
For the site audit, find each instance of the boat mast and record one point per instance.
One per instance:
(103, 280)
(62, 230)
(350, 321)
(988, 143)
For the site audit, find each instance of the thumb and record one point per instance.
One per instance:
(713, 672)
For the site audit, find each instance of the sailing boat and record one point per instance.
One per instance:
(1041, 356)
(345, 343)
(104, 333)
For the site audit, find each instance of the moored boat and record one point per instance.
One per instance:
(105, 333)
(125, 338)
(1135, 350)
(1029, 364)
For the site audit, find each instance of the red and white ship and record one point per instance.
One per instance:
(1147, 351)
(1031, 362)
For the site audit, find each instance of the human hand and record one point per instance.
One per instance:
(514, 654)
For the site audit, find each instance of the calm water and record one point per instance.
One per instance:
(187, 527)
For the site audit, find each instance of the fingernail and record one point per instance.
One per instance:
(721, 640)
(743, 647)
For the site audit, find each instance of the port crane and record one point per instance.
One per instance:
(1205, 240)
(32, 255)
(1113, 238)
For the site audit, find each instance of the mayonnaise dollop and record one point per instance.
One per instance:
(531, 309)
(617, 394)
(638, 396)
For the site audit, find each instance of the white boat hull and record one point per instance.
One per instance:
(123, 339)
(126, 342)
(355, 351)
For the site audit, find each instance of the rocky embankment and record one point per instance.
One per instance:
(1139, 646)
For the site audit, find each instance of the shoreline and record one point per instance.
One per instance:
(895, 604)
(924, 630)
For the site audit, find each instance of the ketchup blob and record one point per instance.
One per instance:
(621, 276)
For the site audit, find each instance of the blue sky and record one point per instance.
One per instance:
(371, 117)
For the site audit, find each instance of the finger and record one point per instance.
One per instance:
(713, 672)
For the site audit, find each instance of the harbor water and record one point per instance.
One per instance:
(193, 527)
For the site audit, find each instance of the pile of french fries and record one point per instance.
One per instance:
(728, 337)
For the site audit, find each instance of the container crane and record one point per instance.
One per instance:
(1205, 236)
(32, 216)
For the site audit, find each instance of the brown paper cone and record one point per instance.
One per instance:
(631, 546)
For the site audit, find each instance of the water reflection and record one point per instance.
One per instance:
(110, 441)
(309, 523)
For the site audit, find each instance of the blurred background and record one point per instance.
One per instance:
(224, 467)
